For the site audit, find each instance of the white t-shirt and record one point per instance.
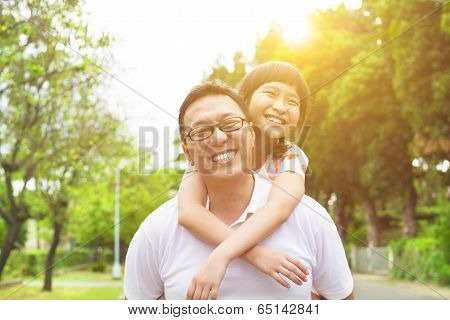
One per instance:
(163, 256)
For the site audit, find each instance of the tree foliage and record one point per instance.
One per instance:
(51, 118)
(374, 111)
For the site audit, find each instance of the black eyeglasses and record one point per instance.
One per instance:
(226, 125)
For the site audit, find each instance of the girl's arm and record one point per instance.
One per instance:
(193, 215)
(207, 227)
(284, 196)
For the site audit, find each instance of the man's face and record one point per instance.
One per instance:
(223, 153)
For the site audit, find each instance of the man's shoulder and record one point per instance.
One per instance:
(312, 206)
(164, 215)
(310, 209)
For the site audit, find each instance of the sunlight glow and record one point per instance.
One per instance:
(292, 17)
(443, 166)
(296, 29)
(189, 37)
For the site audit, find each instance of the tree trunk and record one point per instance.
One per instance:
(13, 233)
(409, 213)
(368, 204)
(57, 230)
(372, 220)
(325, 203)
(99, 251)
(341, 217)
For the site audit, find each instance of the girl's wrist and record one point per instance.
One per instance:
(252, 254)
(220, 255)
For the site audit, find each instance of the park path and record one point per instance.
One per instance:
(372, 287)
(80, 283)
(367, 287)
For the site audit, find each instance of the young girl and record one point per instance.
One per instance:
(277, 97)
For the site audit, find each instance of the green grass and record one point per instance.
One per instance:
(82, 275)
(64, 293)
(35, 293)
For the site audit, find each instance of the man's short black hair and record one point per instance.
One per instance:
(211, 88)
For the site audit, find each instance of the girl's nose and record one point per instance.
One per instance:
(279, 106)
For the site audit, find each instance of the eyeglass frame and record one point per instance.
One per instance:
(217, 125)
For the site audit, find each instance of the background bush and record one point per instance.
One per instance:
(428, 256)
(30, 263)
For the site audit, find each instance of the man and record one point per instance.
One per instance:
(163, 256)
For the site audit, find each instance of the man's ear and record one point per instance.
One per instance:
(186, 153)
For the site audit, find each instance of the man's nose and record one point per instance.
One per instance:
(218, 136)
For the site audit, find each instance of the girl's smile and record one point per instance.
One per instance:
(275, 109)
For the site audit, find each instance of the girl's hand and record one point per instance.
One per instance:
(276, 263)
(206, 282)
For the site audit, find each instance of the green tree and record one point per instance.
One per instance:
(339, 36)
(371, 120)
(42, 85)
(422, 73)
(91, 143)
(92, 209)
(420, 81)
(219, 71)
(372, 139)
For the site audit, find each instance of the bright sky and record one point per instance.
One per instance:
(164, 48)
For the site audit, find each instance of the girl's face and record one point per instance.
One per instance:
(274, 108)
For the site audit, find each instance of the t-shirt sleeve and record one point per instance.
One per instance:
(295, 160)
(142, 279)
(332, 278)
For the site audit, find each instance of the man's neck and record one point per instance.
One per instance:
(229, 196)
(264, 147)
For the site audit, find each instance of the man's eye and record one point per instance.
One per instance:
(201, 133)
(269, 93)
(230, 125)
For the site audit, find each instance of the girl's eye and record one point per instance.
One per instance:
(293, 103)
(269, 93)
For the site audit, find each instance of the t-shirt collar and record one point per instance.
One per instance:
(253, 205)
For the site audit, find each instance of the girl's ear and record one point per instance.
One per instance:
(294, 134)
(248, 147)
(252, 131)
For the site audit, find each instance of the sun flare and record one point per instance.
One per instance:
(292, 17)
(295, 30)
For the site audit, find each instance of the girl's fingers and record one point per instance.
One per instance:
(205, 293)
(197, 293)
(290, 275)
(294, 269)
(214, 293)
(298, 264)
(280, 280)
(191, 290)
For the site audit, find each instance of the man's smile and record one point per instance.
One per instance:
(224, 156)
